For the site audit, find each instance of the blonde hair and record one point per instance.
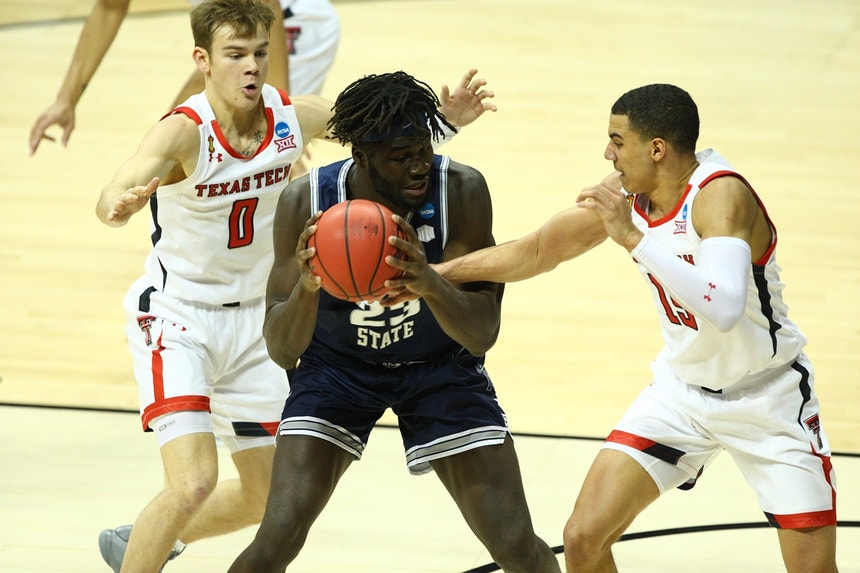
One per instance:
(244, 16)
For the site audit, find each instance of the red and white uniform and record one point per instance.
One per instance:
(195, 317)
(212, 232)
(748, 390)
(695, 350)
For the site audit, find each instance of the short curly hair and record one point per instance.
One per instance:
(664, 111)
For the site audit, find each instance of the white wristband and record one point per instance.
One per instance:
(447, 135)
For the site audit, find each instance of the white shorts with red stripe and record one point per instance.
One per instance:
(194, 357)
(769, 423)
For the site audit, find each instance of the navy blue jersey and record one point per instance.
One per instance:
(370, 332)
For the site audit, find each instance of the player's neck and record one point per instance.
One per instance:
(244, 130)
(669, 191)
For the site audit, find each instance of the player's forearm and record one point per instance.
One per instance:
(509, 262)
(289, 326)
(473, 319)
(96, 37)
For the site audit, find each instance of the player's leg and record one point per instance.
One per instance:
(615, 490)
(486, 484)
(312, 28)
(235, 503)
(190, 474)
(307, 467)
(451, 422)
(304, 475)
(313, 34)
(785, 457)
(809, 550)
(166, 366)
(654, 448)
(245, 405)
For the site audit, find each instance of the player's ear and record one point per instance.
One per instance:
(658, 148)
(359, 155)
(201, 59)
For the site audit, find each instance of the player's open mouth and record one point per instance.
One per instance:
(417, 189)
(250, 89)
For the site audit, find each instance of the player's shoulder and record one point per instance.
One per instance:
(297, 190)
(181, 121)
(295, 199)
(728, 185)
(464, 175)
(174, 135)
(466, 181)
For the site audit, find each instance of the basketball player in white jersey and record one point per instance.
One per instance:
(302, 52)
(211, 172)
(732, 374)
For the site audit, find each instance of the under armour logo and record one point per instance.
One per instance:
(711, 287)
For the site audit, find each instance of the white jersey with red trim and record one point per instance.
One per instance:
(212, 232)
(695, 351)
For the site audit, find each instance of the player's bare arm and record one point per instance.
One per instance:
(470, 229)
(292, 292)
(726, 207)
(313, 113)
(563, 237)
(96, 37)
(173, 140)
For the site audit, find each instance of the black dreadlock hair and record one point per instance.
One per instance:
(378, 107)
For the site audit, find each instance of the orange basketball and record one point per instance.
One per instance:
(351, 243)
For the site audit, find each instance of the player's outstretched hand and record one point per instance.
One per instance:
(131, 201)
(59, 113)
(468, 101)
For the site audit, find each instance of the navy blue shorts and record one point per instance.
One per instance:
(444, 407)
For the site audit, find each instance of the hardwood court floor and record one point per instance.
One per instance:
(776, 82)
(77, 472)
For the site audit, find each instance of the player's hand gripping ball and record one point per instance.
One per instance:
(351, 244)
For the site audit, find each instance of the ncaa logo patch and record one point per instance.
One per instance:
(282, 129)
(427, 211)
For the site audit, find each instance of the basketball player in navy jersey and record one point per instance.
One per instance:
(732, 374)
(228, 151)
(419, 358)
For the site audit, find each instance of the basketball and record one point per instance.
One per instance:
(351, 243)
